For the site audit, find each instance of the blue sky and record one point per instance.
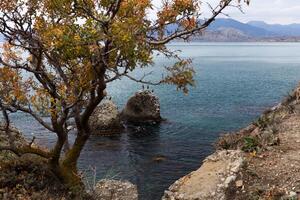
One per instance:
(271, 11)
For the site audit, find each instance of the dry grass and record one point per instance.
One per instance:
(29, 178)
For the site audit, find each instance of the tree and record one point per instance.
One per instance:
(59, 55)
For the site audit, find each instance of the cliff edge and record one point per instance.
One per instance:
(259, 162)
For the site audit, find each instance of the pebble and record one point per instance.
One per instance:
(239, 183)
(229, 180)
(293, 194)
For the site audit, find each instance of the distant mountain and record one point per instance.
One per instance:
(229, 30)
(222, 35)
(247, 29)
(282, 30)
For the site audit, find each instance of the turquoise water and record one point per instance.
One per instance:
(235, 83)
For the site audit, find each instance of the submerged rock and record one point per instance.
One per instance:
(115, 190)
(142, 107)
(159, 158)
(105, 119)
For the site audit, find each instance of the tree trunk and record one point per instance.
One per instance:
(67, 168)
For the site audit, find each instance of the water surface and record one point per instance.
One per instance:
(235, 83)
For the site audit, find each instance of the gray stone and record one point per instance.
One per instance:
(293, 194)
(115, 190)
(228, 180)
(142, 107)
(105, 119)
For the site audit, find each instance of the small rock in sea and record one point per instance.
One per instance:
(239, 183)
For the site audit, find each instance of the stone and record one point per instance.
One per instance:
(105, 119)
(293, 195)
(142, 107)
(115, 190)
(228, 180)
(239, 183)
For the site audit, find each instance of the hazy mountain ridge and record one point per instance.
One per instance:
(283, 30)
(229, 30)
(247, 29)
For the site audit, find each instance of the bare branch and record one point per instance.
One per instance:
(34, 115)
(179, 34)
(19, 151)
(141, 80)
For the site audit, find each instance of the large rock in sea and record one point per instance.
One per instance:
(105, 119)
(115, 190)
(142, 107)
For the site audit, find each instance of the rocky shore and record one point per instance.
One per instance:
(210, 181)
(29, 178)
(259, 162)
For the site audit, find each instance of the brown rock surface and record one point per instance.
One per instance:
(211, 180)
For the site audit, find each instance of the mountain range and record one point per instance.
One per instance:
(226, 29)
(230, 30)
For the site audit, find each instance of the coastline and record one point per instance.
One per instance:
(240, 166)
(254, 163)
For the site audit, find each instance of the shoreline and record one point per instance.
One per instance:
(240, 166)
(233, 153)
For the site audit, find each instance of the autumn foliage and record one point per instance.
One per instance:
(59, 56)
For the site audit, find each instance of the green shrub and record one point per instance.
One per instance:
(250, 144)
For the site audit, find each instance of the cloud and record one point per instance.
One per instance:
(271, 11)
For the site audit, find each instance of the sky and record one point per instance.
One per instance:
(270, 11)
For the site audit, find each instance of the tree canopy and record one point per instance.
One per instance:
(59, 56)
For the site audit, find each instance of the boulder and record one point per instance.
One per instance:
(115, 190)
(142, 107)
(105, 119)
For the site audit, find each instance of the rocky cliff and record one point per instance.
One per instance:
(259, 162)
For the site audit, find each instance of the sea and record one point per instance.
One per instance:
(235, 83)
